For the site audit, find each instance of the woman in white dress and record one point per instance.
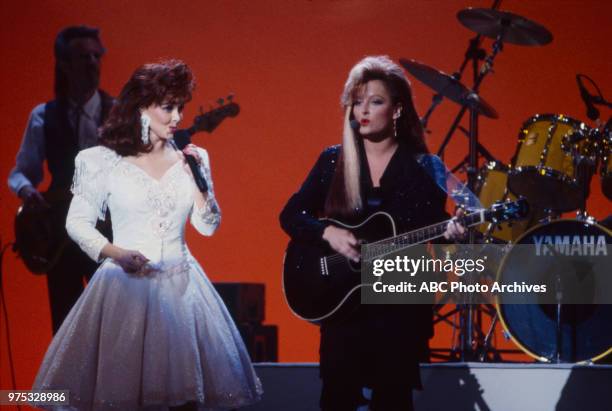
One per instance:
(149, 332)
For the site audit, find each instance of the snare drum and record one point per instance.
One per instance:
(543, 168)
(490, 188)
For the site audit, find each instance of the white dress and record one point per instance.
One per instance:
(145, 342)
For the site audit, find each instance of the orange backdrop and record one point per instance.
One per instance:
(287, 62)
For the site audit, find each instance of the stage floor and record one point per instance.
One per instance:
(460, 386)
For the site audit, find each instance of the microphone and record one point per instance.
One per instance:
(355, 125)
(592, 112)
(181, 139)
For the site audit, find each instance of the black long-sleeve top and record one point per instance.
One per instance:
(407, 192)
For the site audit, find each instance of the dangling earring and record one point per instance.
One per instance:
(395, 127)
(145, 122)
(398, 114)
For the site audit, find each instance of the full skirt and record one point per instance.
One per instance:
(147, 343)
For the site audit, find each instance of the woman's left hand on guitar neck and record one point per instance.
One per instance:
(455, 230)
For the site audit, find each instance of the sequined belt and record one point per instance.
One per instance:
(164, 270)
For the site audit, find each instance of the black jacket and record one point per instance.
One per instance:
(378, 344)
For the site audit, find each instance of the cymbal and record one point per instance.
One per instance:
(517, 29)
(448, 86)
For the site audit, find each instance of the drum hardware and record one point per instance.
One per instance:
(558, 308)
(605, 154)
(586, 170)
(558, 332)
(549, 216)
(603, 135)
(565, 156)
(588, 150)
(487, 340)
(444, 84)
(503, 27)
(591, 100)
(482, 151)
(584, 149)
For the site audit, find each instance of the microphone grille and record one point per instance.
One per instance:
(181, 138)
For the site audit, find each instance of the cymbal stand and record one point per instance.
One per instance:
(435, 101)
(481, 151)
(469, 352)
(470, 316)
(468, 312)
(473, 52)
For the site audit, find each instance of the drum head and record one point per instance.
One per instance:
(585, 331)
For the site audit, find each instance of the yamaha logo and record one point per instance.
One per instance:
(570, 245)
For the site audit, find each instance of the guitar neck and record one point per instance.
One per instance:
(422, 235)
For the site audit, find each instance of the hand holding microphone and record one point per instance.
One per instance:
(182, 140)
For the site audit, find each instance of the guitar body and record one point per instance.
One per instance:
(321, 285)
(40, 235)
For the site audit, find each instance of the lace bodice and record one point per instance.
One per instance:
(148, 215)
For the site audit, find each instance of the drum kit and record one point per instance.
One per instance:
(555, 159)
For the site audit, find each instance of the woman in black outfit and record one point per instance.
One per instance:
(375, 169)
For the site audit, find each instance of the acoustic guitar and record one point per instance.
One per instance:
(321, 285)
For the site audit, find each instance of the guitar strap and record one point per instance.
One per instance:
(448, 182)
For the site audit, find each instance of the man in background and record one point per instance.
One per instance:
(56, 132)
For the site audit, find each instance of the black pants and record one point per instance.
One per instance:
(66, 282)
(345, 396)
(378, 347)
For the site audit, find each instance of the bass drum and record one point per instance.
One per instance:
(586, 334)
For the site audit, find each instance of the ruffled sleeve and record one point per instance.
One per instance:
(207, 218)
(89, 202)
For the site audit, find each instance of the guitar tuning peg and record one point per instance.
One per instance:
(230, 97)
(220, 101)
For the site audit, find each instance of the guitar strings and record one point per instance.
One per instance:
(390, 245)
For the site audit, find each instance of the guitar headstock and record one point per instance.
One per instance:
(210, 120)
(509, 210)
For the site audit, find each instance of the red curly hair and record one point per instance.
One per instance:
(166, 82)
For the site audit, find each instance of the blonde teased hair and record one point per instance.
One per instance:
(344, 197)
